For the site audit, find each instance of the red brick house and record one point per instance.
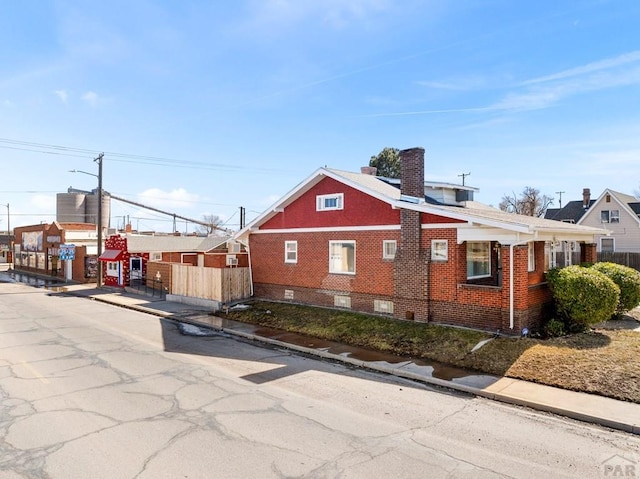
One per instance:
(372, 244)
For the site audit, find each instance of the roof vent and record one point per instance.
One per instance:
(412, 199)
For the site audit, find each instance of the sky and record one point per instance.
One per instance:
(203, 107)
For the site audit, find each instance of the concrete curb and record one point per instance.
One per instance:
(633, 428)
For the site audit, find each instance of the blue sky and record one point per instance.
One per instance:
(202, 107)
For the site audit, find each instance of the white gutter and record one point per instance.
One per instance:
(511, 300)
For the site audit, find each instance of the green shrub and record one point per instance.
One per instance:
(554, 328)
(627, 279)
(583, 296)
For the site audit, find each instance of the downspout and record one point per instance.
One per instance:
(511, 300)
(246, 246)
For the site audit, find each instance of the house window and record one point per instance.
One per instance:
(604, 216)
(342, 257)
(478, 259)
(532, 257)
(607, 245)
(290, 251)
(329, 202)
(156, 256)
(389, 248)
(614, 216)
(439, 250)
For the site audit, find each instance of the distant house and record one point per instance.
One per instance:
(616, 212)
(393, 247)
(126, 256)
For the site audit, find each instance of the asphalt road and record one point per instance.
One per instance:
(90, 390)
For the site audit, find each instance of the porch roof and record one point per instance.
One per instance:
(111, 255)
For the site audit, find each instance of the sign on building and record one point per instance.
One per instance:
(67, 251)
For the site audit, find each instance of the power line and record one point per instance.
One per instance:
(61, 150)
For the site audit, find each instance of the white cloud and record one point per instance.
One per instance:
(42, 202)
(178, 199)
(606, 64)
(63, 95)
(91, 98)
(455, 84)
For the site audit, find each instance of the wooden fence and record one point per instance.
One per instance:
(627, 259)
(217, 284)
(631, 260)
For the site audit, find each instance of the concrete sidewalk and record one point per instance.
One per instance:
(585, 407)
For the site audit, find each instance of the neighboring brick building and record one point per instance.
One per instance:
(37, 250)
(408, 249)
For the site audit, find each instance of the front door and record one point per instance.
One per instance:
(135, 268)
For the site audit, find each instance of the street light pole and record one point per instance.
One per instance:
(99, 221)
(99, 160)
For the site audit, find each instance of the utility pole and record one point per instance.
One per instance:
(560, 200)
(242, 217)
(464, 175)
(99, 160)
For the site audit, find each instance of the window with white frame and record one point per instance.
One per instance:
(290, 251)
(610, 216)
(614, 216)
(342, 257)
(478, 259)
(439, 250)
(389, 248)
(113, 268)
(531, 256)
(607, 245)
(330, 202)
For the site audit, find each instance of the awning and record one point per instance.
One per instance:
(111, 255)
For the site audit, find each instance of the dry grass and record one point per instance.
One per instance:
(605, 362)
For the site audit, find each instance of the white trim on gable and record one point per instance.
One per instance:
(489, 218)
(326, 229)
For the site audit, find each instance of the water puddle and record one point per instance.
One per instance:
(31, 280)
(427, 368)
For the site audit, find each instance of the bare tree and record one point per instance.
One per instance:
(529, 203)
(212, 226)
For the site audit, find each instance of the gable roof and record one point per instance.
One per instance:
(571, 212)
(474, 214)
(625, 201)
(173, 244)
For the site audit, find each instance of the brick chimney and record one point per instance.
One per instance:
(412, 172)
(410, 266)
(586, 197)
(369, 170)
